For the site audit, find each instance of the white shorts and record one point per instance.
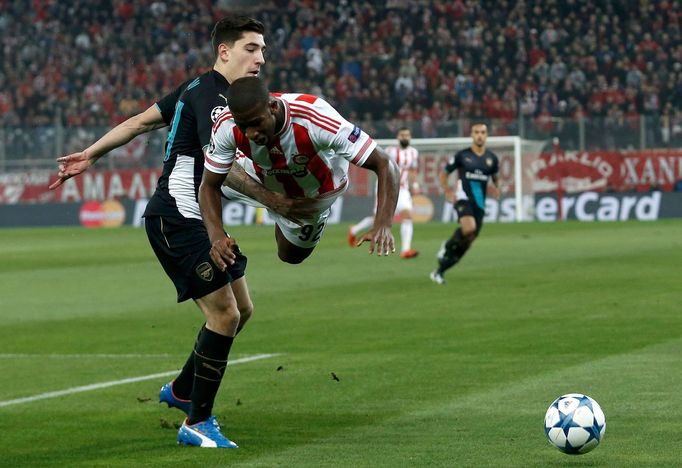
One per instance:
(306, 236)
(404, 201)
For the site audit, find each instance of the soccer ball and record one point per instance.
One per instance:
(575, 423)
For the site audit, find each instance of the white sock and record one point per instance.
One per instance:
(406, 235)
(362, 226)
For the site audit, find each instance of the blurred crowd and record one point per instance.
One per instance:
(537, 63)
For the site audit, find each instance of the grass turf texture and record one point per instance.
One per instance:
(453, 375)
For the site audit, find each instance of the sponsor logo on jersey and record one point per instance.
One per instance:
(476, 175)
(301, 159)
(205, 271)
(297, 167)
(355, 134)
(216, 112)
(293, 171)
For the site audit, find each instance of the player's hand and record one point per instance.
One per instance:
(70, 166)
(380, 240)
(450, 195)
(295, 209)
(222, 253)
(495, 192)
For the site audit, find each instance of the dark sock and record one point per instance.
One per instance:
(450, 257)
(210, 362)
(182, 385)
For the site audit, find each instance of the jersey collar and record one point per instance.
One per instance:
(218, 76)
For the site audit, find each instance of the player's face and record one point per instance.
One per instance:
(258, 124)
(404, 137)
(479, 133)
(245, 57)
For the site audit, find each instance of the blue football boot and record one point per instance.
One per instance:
(204, 434)
(167, 396)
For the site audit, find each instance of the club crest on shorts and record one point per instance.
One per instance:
(205, 271)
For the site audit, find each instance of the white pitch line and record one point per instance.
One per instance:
(113, 383)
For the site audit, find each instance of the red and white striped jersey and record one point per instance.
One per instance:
(406, 159)
(310, 155)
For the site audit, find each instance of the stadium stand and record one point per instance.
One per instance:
(532, 67)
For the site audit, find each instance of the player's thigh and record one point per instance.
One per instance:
(466, 214)
(468, 226)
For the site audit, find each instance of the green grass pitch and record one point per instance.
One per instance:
(453, 375)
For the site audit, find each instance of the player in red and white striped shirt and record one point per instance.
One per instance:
(300, 146)
(405, 157)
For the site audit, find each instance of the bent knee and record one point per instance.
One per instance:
(224, 313)
(246, 311)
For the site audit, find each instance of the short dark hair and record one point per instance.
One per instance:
(232, 28)
(246, 93)
(403, 128)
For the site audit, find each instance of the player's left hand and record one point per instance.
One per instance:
(222, 252)
(380, 240)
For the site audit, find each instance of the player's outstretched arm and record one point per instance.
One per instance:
(77, 163)
(295, 210)
(211, 211)
(380, 237)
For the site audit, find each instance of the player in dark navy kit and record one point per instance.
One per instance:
(174, 225)
(475, 166)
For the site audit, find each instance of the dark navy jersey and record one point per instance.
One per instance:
(473, 171)
(190, 111)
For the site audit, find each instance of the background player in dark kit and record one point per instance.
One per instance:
(474, 166)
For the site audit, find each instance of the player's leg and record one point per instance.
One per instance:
(217, 301)
(182, 247)
(210, 363)
(364, 225)
(244, 304)
(178, 392)
(454, 248)
(406, 232)
(404, 210)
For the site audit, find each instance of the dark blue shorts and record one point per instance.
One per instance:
(182, 247)
(470, 208)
